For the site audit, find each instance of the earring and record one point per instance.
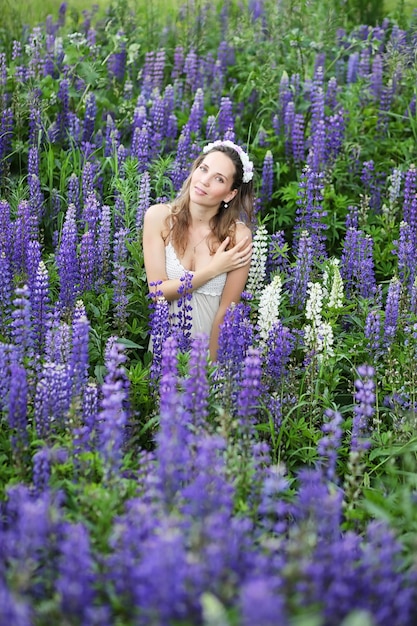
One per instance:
(225, 204)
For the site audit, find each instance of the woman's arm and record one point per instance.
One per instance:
(154, 256)
(235, 284)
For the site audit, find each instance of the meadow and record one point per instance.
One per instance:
(278, 485)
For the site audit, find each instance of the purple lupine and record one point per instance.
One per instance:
(74, 193)
(191, 70)
(267, 181)
(317, 151)
(89, 116)
(14, 610)
(372, 332)
(24, 230)
(141, 147)
(76, 575)
(21, 325)
(392, 310)
(310, 212)
(300, 273)
(17, 410)
(104, 244)
(6, 292)
(113, 413)
(91, 213)
(78, 362)
(406, 254)
(52, 400)
(226, 120)
(357, 265)
(335, 133)
(7, 357)
(298, 138)
(182, 158)
(85, 436)
(372, 183)
(33, 258)
(119, 277)
(181, 323)
(116, 62)
(364, 408)
(41, 469)
(41, 306)
(317, 98)
(169, 372)
(247, 401)
(197, 112)
(328, 445)
(277, 260)
(159, 331)
(87, 184)
(279, 346)
(67, 261)
(63, 115)
(409, 208)
(144, 200)
(196, 385)
(261, 602)
(178, 65)
(6, 230)
(88, 261)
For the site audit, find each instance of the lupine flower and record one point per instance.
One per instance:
(182, 322)
(191, 71)
(261, 603)
(182, 158)
(159, 330)
(333, 284)
(372, 331)
(144, 200)
(268, 308)
(21, 325)
(247, 402)
(310, 212)
(279, 346)
(104, 244)
(52, 400)
(318, 335)
(67, 261)
(364, 407)
(267, 179)
(196, 384)
(89, 116)
(78, 361)
(88, 263)
(302, 270)
(392, 310)
(75, 579)
(14, 610)
(6, 291)
(41, 306)
(357, 265)
(257, 270)
(119, 280)
(113, 413)
(24, 230)
(17, 409)
(226, 119)
(328, 445)
(409, 208)
(277, 255)
(91, 212)
(74, 193)
(406, 254)
(298, 138)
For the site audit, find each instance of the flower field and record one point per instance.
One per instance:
(276, 486)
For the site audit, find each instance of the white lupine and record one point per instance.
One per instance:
(268, 309)
(314, 303)
(333, 285)
(257, 270)
(318, 336)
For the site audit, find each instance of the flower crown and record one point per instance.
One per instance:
(247, 165)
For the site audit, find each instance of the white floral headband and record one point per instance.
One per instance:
(246, 163)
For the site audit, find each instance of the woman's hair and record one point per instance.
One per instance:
(223, 224)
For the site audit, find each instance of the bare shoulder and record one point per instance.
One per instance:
(242, 231)
(158, 211)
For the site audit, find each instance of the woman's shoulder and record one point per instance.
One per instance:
(242, 230)
(157, 212)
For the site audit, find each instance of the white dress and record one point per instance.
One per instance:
(204, 301)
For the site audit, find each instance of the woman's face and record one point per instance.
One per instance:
(212, 181)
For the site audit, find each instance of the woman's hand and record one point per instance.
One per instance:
(228, 260)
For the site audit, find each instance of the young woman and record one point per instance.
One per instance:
(205, 233)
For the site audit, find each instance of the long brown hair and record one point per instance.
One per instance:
(223, 224)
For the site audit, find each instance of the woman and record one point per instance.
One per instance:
(201, 233)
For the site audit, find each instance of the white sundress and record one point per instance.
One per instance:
(204, 301)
